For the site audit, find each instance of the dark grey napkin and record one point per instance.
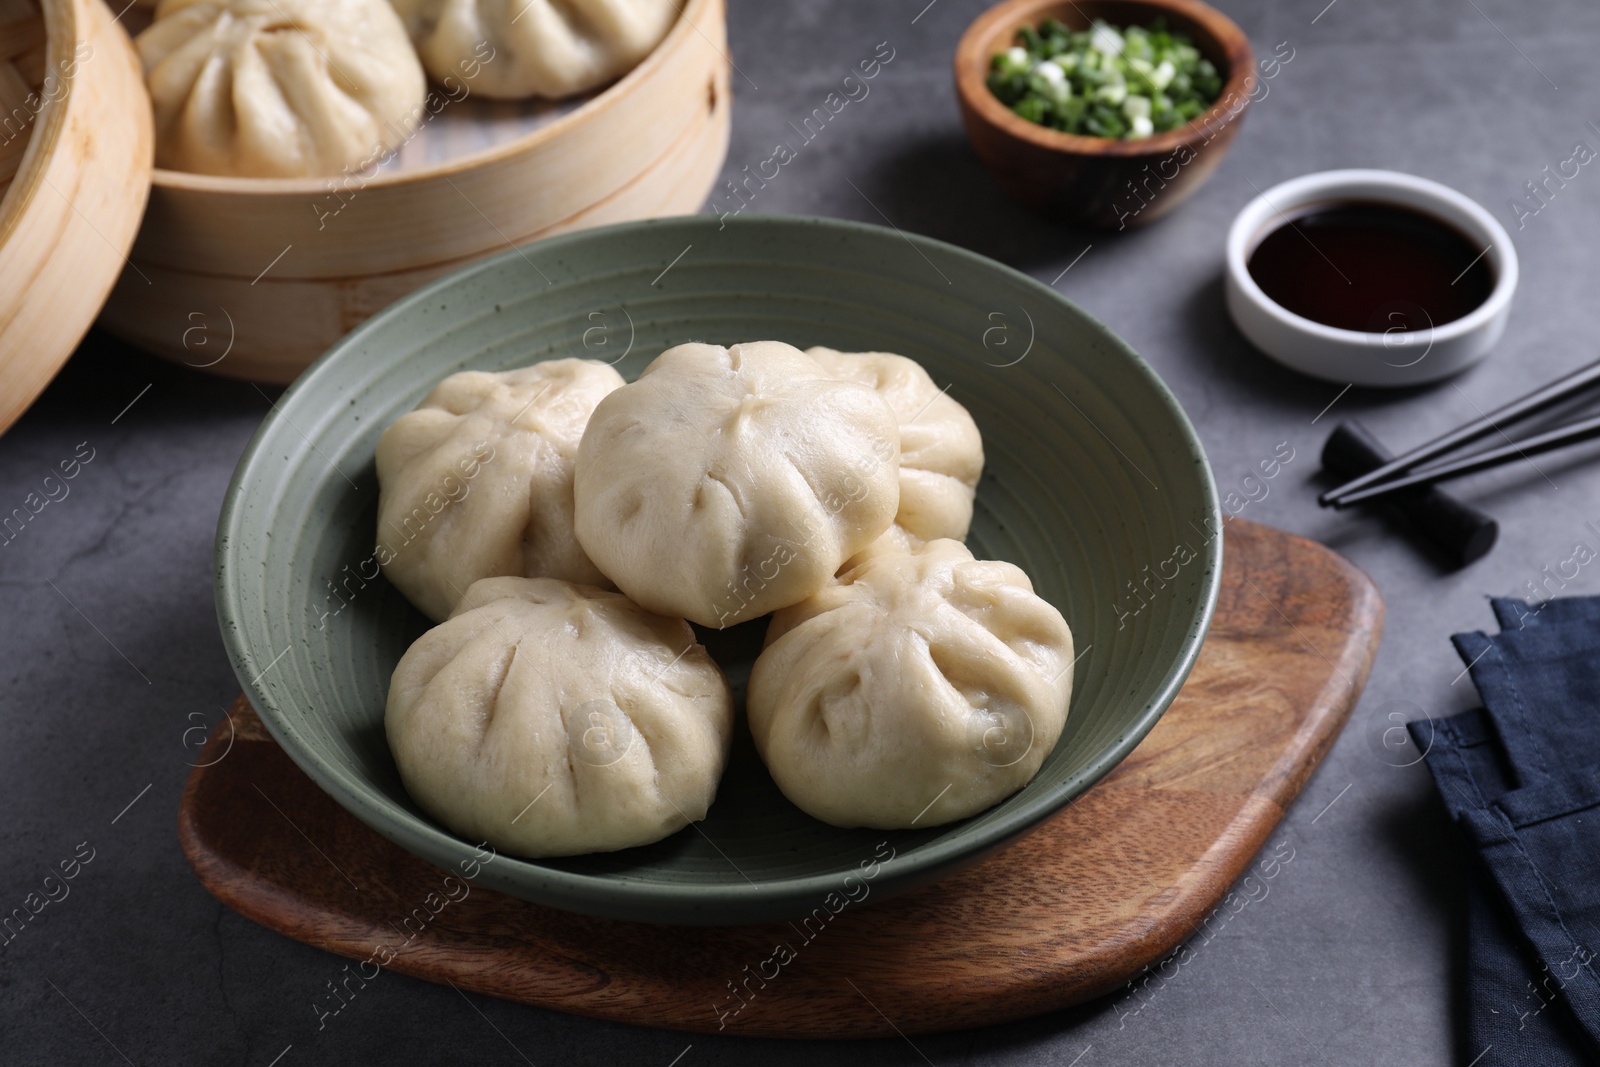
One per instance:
(1521, 777)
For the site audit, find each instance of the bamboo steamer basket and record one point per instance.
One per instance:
(75, 157)
(254, 278)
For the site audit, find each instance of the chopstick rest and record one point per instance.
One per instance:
(1457, 533)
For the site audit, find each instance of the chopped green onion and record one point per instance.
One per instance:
(1104, 81)
(1105, 40)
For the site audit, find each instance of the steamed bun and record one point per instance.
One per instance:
(894, 540)
(923, 687)
(279, 88)
(941, 453)
(552, 719)
(550, 48)
(727, 482)
(477, 481)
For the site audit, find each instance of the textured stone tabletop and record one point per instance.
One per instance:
(112, 663)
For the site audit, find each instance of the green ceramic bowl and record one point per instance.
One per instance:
(1095, 485)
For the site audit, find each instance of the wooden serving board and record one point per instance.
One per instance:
(1111, 884)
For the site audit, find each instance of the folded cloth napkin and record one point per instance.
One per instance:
(1522, 779)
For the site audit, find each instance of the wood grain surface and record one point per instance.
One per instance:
(1108, 886)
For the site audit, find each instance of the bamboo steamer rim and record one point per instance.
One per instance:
(686, 23)
(91, 144)
(61, 36)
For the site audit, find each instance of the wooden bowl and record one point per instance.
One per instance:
(255, 278)
(1098, 181)
(75, 155)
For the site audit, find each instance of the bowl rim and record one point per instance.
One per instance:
(619, 898)
(975, 50)
(232, 185)
(1416, 193)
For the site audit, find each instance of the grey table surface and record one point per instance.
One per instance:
(111, 657)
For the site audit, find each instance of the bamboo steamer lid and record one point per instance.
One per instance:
(76, 152)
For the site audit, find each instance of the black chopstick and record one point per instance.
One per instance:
(1585, 430)
(1534, 402)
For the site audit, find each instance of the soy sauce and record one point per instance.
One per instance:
(1372, 267)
